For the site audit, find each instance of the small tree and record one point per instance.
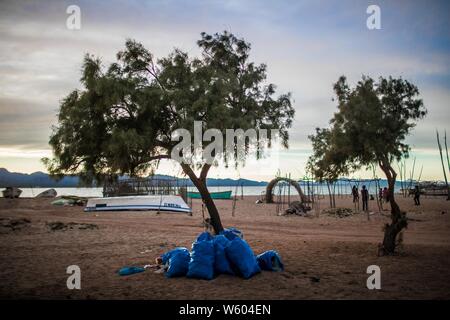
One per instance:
(370, 126)
(123, 120)
(322, 167)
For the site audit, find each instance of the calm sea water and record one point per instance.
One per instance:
(97, 192)
(343, 188)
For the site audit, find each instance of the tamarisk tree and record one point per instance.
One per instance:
(122, 121)
(369, 128)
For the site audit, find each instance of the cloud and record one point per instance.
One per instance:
(25, 122)
(307, 45)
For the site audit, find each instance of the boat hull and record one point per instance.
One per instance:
(153, 203)
(214, 195)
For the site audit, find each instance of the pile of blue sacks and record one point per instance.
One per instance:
(226, 253)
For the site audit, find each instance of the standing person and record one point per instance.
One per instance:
(355, 194)
(365, 198)
(385, 194)
(380, 194)
(417, 196)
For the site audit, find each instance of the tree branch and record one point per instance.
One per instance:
(152, 72)
(204, 172)
(188, 170)
(159, 157)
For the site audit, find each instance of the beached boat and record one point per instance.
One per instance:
(50, 193)
(214, 195)
(156, 203)
(11, 192)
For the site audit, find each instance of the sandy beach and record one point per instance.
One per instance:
(325, 257)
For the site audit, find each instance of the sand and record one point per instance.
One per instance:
(325, 257)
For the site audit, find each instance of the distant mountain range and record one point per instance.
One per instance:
(43, 180)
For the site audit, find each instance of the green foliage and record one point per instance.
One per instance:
(370, 126)
(122, 120)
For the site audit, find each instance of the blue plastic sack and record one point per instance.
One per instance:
(126, 271)
(242, 258)
(201, 264)
(178, 260)
(204, 236)
(270, 260)
(221, 263)
(232, 233)
(166, 256)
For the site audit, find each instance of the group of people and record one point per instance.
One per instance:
(364, 196)
(383, 194)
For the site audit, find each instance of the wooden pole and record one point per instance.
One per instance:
(289, 192)
(402, 183)
(443, 167)
(412, 175)
(446, 150)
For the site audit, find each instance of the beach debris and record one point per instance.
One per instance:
(61, 226)
(11, 192)
(159, 266)
(69, 201)
(207, 224)
(314, 279)
(161, 270)
(126, 271)
(226, 253)
(9, 224)
(258, 201)
(49, 193)
(270, 261)
(298, 208)
(340, 212)
(175, 262)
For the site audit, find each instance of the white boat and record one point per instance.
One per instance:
(156, 203)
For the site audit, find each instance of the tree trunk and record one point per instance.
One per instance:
(398, 218)
(273, 183)
(200, 183)
(329, 194)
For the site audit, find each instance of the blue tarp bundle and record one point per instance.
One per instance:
(201, 265)
(178, 261)
(242, 258)
(227, 253)
(231, 233)
(221, 263)
(270, 261)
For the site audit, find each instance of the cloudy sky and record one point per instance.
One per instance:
(307, 45)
